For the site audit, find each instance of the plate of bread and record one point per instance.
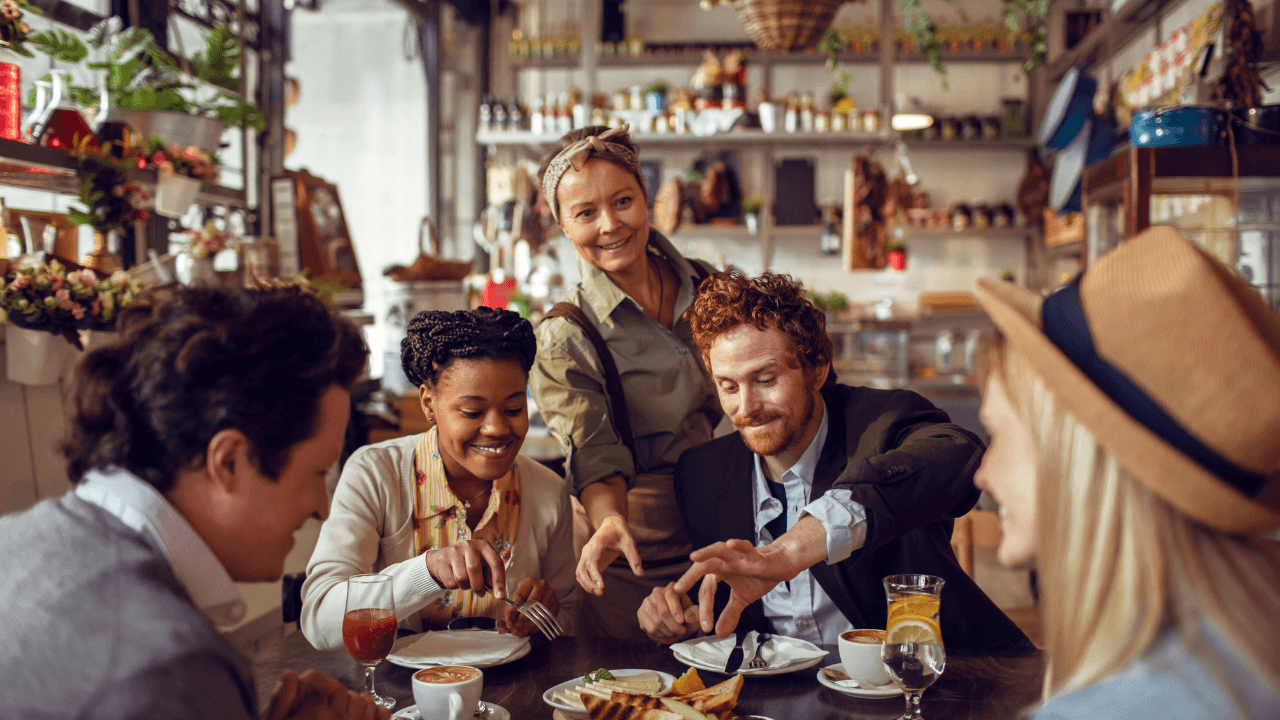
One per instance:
(644, 695)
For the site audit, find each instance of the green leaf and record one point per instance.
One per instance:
(59, 45)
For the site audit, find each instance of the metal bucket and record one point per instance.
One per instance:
(174, 127)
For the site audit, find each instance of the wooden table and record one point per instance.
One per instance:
(974, 687)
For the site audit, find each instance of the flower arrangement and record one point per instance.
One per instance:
(110, 200)
(207, 241)
(171, 159)
(14, 31)
(51, 298)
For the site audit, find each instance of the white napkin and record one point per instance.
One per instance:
(462, 647)
(779, 652)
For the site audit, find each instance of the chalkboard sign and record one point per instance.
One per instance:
(795, 198)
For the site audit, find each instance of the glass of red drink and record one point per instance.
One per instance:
(369, 625)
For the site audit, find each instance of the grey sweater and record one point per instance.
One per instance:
(94, 624)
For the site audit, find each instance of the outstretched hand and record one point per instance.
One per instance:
(749, 571)
(611, 539)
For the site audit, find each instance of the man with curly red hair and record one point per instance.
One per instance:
(824, 490)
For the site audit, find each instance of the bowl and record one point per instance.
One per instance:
(1186, 126)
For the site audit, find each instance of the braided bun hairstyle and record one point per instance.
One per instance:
(436, 338)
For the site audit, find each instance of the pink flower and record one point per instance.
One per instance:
(19, 282)
(77, 311)
(64, 299)
(158, 158)
(166, 168)
(89, 279)
(57, 282)
(96, 306)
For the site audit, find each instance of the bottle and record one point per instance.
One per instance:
(485, 123)
(535, 117)
(515, 117)
(564, 117)
(499, 116)
(806, 113)
(790, 118)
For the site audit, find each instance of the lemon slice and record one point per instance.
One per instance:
(917, 605)
(913, 630)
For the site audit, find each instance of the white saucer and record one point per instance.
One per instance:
(495, 712)
(884, 691)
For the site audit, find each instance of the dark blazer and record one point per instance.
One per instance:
(913, 472)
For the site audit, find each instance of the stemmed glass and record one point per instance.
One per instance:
(369, 625)
(913, 666)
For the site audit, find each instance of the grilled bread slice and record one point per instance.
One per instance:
(629, 707)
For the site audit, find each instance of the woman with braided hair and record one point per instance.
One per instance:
(455, 509)
(618, 378)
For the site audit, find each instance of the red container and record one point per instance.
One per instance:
(10, 101)
(897, 260)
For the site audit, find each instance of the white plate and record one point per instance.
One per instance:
(751, 672)
(579, 713)
(884, 691)
(493, 712)
(519, 648)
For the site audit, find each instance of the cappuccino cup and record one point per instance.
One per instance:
(861, 653)
(447, 692)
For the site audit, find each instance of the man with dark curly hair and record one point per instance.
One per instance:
(198, 444)
(824, 490)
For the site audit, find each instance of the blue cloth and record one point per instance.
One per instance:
(1169, 684)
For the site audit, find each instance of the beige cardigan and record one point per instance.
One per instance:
(370, 529)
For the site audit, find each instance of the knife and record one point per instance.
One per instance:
(734, 663)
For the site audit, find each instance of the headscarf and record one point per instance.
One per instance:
(576, 155)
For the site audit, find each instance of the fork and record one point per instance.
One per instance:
(538, 614)
(758, 661)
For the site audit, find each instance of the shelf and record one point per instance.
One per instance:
(692, 58)
(1010, 143)
(843, 138)
(917, 233)
(50, 170)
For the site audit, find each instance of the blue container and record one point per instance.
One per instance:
(1187, 126)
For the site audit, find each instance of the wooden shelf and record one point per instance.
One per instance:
(693, 57)
(915, 233)
(756, 138)
(41, 168)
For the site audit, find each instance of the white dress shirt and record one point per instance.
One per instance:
(804, 610)
(144, 509)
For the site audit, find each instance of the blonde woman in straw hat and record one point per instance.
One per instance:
(618, 378)
(1135, 454)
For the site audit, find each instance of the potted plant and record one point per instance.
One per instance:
(195, 263)
(14, 31)
(751, 207)
(183, 101)
(896, 255)
(46, 304)
(179, 172)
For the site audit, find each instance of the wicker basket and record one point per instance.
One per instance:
(786, 25)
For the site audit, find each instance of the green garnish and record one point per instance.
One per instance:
(601, 674)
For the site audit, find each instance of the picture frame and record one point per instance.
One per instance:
(325, 250)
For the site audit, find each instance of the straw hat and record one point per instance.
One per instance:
(1174, 363)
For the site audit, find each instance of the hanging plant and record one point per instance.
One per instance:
(924, 30)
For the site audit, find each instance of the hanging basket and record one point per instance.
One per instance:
(35, 357)
(786, 25)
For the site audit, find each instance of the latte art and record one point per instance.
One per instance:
(446, 674)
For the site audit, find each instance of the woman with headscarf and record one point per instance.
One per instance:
(624, 415)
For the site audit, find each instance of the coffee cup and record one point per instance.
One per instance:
(862, 654)
(447, 692)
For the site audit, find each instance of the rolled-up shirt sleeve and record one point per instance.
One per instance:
(844, 519)
(568, 387)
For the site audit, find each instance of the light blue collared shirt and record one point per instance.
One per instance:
(140, 506)
(805, 611)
